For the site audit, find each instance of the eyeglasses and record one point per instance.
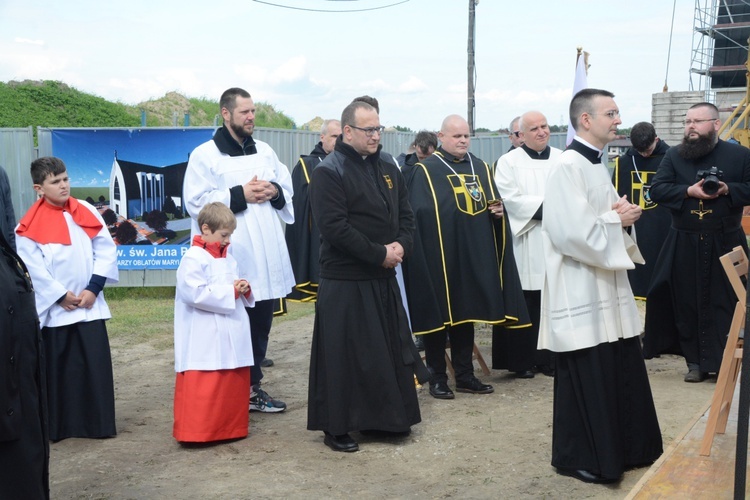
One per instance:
(696, 122)
(516, 133)
(370, 131)
(609, 114)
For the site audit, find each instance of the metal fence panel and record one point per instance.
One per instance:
(16, 155)
(17, 152)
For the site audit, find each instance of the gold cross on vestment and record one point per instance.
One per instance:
(700, 212)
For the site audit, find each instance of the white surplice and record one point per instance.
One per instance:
(211, 327)
(521, 181)
(56, 269)
(586, 298)
(258, 243)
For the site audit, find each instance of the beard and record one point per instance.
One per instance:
(692, 149)
(239, 130)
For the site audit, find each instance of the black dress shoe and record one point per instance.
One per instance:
(440, 390)
(266, 362)
(524, 374)
(474, 386)
(586, 476)
(547, 370)
(342, 442)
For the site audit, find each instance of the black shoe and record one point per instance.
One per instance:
(524, 374)
(694, 376)
(343, 442)
(546, 370)
(266, 362)
(474, 386)
(586, 476)
(440, 390)
(419, 343)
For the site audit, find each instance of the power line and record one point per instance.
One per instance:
(325, 10)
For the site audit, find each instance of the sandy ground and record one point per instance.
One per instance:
(488, 446)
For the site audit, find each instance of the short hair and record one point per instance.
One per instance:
(514, 120)
(583, 102)
(217, 216)
(712, 107)
(369, 100)
(229, 98)
(642, 136)
(43, 167)
(326, 123)
(347, 116)
(426, 139)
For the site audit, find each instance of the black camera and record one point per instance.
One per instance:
(711, 178)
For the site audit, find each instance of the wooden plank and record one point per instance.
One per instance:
(681, 472)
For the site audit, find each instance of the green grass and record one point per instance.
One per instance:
(145, 315)
(51, 103)
(94, 192)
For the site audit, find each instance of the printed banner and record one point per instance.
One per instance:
(134, 178)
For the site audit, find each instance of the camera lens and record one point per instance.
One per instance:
(711, 184)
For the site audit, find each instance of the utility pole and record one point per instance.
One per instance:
(470, 113)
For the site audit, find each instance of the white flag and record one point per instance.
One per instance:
(578, 85)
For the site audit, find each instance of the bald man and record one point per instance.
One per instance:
(462, 270)
(521, 176)
(514, 134)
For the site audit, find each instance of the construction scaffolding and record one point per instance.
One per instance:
(720, 32)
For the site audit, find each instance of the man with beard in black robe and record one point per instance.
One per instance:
(705, 183)
(363, 360)
(634, 172)
(303, 237)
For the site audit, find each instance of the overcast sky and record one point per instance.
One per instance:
(411, 56)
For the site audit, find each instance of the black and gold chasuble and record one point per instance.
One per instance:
(462, 268)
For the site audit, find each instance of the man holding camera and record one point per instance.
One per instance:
(705, 183)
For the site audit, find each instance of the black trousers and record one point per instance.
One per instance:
(462, 346)
(261, 317)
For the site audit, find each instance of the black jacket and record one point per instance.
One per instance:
(360, 205)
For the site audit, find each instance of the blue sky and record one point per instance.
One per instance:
(412, 56)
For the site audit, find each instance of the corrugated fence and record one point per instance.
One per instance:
(17, 151)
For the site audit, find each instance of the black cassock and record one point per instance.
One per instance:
(303, 237)
(690, 302)
(24, 441)
(633, 176)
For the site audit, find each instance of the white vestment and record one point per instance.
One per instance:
(56, 269)
(211, 327)
(258, 243)
(586, 298)
(521, 181)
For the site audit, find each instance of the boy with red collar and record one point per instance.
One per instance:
(213, 350)
(70, 256)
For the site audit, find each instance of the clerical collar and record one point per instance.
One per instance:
(227, 145)
(591, 153)
(440, 152)
(537, 155)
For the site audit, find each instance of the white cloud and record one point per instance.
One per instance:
(28, 41)
(412, 85)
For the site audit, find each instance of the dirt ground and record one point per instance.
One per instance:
(475, 446)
